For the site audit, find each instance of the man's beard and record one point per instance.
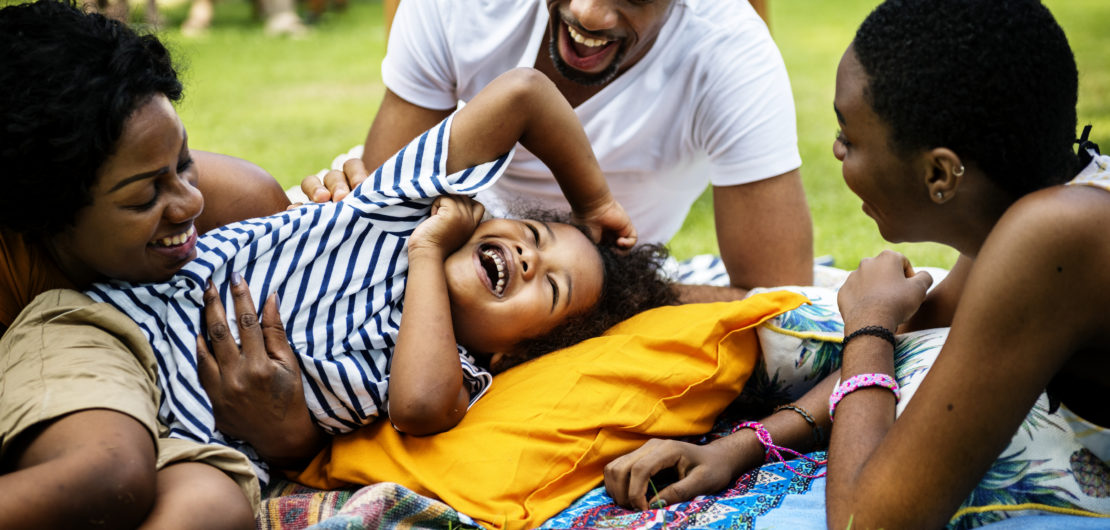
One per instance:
(577, 76)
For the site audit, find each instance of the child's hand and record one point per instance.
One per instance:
(608, 222)
(452, 221)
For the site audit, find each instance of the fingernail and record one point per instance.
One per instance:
(235, 278)
(277, 299)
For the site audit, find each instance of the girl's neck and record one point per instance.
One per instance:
(973, 213)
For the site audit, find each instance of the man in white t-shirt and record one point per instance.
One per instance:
(673, 94)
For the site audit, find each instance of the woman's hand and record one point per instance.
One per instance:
(884, 291)
(701, 469)
(256, 390)
(608, 222)
(452, 221)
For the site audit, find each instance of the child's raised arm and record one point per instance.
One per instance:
(426, 390)
(523, 105)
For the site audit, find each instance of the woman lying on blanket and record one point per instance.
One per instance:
(475, 294)
(957, 124)
(100, 183)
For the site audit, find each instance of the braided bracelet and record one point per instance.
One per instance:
(771, 449)
(859, 381)
(818, 433)
(874, 331)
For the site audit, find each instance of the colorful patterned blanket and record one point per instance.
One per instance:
(1044, 471)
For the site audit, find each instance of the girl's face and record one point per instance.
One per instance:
(515, 280)
(892, 188)
(139, 226)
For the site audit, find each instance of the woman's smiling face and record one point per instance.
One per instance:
(139, 226)
(885, 181)
(515, 280)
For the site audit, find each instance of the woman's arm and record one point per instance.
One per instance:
(940, 304)
(1029, 303)
(426, 390)
(704, 469)
(524, 105)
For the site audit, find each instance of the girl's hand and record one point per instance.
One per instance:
(884, 291)
(452, 221)
(701, 469)
(608, 222)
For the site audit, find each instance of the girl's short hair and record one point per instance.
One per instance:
(995, 82)
(70, 80)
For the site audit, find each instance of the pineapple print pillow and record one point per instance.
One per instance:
(1049, 465)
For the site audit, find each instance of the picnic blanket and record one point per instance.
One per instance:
(1045, 470)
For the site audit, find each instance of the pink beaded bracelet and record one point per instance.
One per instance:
(859, 381)
(771, 449)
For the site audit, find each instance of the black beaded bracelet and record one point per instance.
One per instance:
(818, 433)
(874, 331)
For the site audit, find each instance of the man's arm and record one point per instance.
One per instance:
(234, 189)
(765, 236)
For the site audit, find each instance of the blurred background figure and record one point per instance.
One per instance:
(280, 16)
(121, 10)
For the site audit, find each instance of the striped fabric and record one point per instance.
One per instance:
(339, 270)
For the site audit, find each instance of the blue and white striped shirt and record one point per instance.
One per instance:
(339, 270)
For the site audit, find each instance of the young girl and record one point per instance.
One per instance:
(472, 292)
(957, 126)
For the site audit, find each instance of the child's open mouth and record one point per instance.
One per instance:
(494, 263)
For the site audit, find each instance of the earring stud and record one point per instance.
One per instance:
(940, 195)
(959, 172)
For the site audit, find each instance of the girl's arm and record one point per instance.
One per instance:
(426, 390)
(523, 105)
(705, 469)
(940, 304)
(1030, 301)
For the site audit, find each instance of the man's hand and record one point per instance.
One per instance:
(608, 222)
(337, 183)
(256, 389)
(452, 221)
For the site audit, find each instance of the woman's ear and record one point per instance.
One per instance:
(944, 175)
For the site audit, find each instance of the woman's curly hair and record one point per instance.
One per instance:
(996, 82)
(70, 80)
(633, 282)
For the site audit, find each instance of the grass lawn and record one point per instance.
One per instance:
(290, 105)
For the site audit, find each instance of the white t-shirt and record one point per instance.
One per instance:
(709, 103)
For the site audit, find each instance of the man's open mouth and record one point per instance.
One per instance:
(495, 264)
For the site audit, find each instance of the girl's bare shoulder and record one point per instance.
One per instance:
(1053, 246)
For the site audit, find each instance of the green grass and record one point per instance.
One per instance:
(290, 105)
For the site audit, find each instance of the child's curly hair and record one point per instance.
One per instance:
(633, 282)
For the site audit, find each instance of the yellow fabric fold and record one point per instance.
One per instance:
(542, 435)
